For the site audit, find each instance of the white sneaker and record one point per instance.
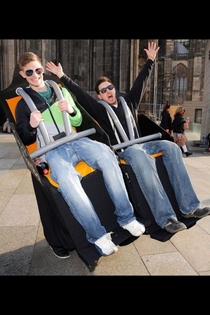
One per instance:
(135, 228)
(105, 245)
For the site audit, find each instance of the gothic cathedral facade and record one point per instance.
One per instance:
(178, 75)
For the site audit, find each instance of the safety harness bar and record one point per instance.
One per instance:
(129, 120)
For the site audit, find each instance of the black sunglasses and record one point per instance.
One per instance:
(109, 87)
(30, 72)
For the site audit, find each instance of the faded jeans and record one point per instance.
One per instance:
(99, 156)
(144, 167)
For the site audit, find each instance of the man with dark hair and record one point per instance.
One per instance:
(139, 155)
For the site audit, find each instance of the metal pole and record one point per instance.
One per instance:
(155, 89)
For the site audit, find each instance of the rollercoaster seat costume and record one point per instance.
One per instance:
(60, 227)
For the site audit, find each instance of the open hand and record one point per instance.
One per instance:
(152, 50)
(57, 70)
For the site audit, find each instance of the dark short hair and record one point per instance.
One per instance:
(101, 80)
(167, 106)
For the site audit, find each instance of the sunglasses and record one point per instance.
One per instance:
(109, 87)
(30, 72)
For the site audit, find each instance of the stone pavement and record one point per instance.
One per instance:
(24, 250)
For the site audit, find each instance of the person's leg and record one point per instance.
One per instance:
(178, 175)
(184, 146)
(61, 161)
(144, 167)
(208, 149)
(179, 139)
(101, 157)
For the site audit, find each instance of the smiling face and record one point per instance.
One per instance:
(107, 93)
(32, 70)
(33, 73)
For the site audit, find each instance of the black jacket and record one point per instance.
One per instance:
(99, 113)
(28, 134)
(166, 121)
(178, 123)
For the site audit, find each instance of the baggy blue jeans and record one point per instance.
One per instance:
(144, 167)
(99, 156)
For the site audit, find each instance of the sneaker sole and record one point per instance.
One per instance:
(191, 215)
(175, 231)
(104, 254)
(61, 257)
(195, 216)
(178, 230)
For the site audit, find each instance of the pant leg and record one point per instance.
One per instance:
(178, 175)
(62, 161)
(101, 157)
(144, 167)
